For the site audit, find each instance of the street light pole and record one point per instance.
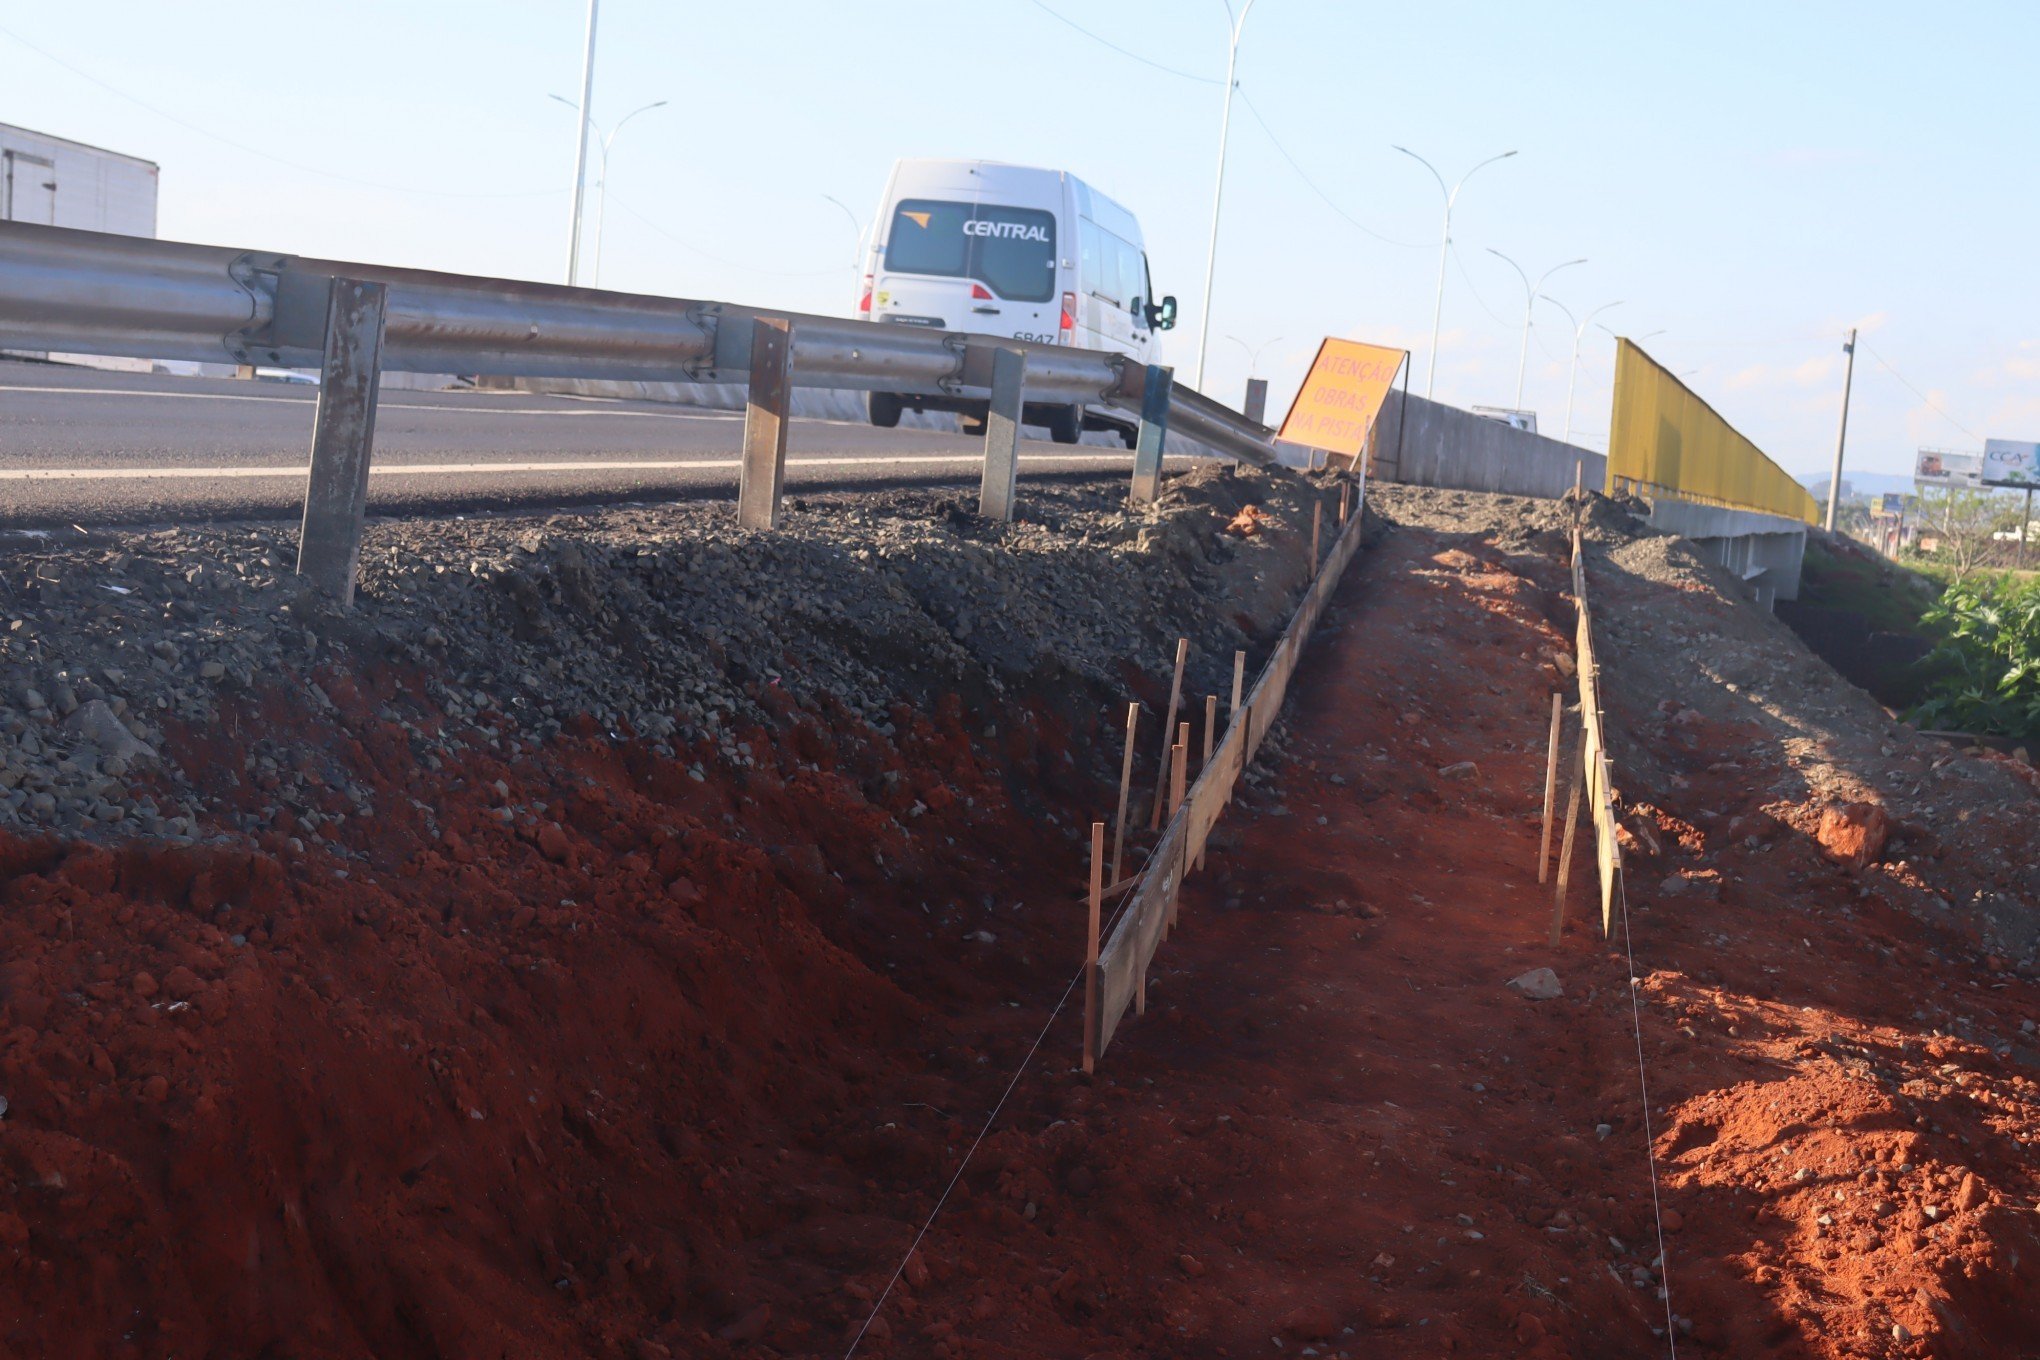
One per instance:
(857, 229)
(1444, 249)
(1579, 334)
(1842, 435)
(1530, 292)
(603, 141)
(1232, 58)
(581, 149)
(1253, 354)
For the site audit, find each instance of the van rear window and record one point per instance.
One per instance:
(1009, 250)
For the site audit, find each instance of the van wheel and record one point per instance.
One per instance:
(884, 409)
(1066, 424)
(1129, 435)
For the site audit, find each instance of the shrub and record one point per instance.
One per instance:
(1992, 658)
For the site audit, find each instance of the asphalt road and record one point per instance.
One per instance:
(84, 446)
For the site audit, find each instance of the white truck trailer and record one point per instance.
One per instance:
(57, 182)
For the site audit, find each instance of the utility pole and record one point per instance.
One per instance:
(1842, 434)
(581, 149)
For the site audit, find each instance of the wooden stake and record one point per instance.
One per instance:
(1168, 726)
(1091, 1017)
(1125, 786)
(1178, 768)
(1606, 853)
(1572, 821)
(1345, 490)
(1317, 519)
(1239, 684)
(1550, 789)
(1210, 731)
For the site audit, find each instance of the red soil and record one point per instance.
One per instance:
(663, 1067)
(1336, 1128)
(583, 1073)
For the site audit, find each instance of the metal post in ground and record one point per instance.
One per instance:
(343, 437)
(762, 474)
(997, 492)
(1256, 408)
(1154, 425)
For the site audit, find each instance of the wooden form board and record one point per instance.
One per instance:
(1599, 767)
(1129, 953)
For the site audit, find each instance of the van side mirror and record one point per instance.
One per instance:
(1162, 317)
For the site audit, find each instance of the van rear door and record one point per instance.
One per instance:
(963, 266)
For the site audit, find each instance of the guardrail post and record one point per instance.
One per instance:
(1154, 427)
(343, 437)
(1002, 434)
(1256, 408)
(763, 471)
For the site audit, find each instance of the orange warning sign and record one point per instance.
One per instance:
(1341, 396)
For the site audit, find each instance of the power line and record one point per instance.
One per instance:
(1026, 1060)
(1882, 363)
(721, 259)
(209, 134)
(1283, 151)
(1474, 290)
(1124, 52)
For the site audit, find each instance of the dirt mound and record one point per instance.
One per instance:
(596, 944)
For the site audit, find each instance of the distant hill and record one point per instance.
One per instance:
(1860, 484)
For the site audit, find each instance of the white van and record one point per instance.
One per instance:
(1010, 250)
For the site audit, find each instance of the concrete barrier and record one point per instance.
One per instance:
(1426, 443)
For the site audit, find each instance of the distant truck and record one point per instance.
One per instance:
(1010, 250)
(56, 182)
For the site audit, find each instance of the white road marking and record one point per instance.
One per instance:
(384, 405)
(110, 474)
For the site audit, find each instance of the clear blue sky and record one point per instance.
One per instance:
(1750, 178)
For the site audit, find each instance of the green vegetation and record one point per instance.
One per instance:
(1890, 598)
(1990, 655)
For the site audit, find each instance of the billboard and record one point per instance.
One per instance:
(1341, 395)
(1946, 467)
(2011, 462)
(1663, 438)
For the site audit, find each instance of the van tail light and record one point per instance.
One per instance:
(980, 293)
(864, 302)
(1068, 325)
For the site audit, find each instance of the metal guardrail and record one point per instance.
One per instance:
(93, 293)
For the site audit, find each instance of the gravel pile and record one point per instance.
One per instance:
(667, 624)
